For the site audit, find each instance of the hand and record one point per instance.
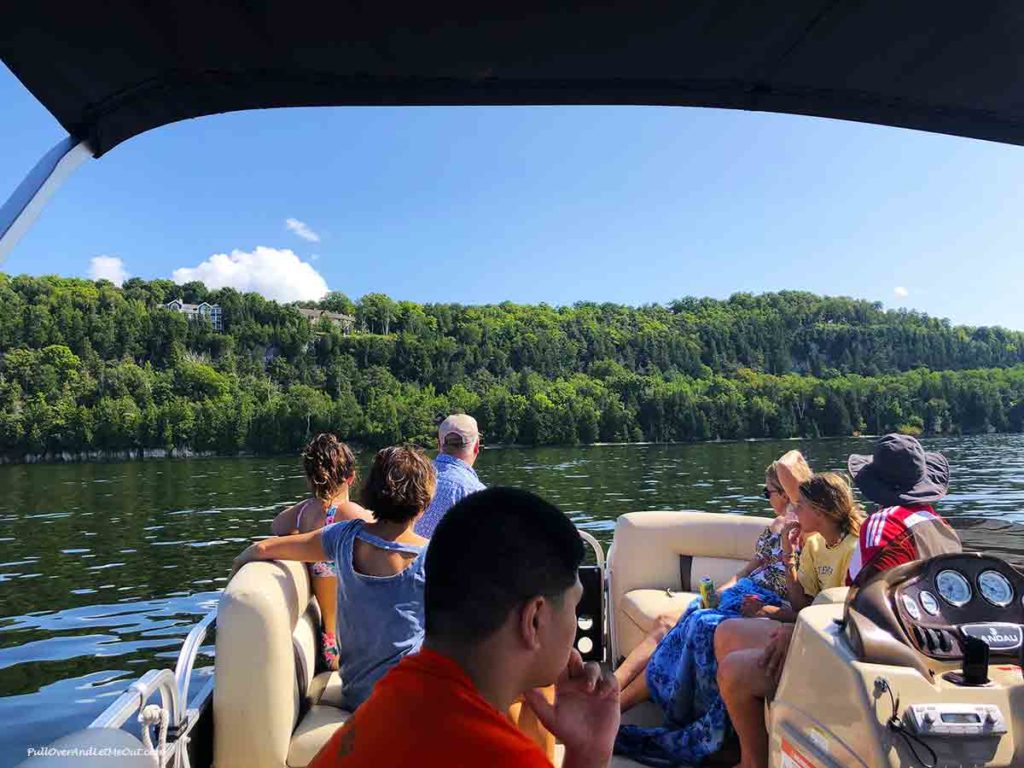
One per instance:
(752, 606)
(790, 538)
(248, 555)
(787, 469)
(585, 715)
(774, 656)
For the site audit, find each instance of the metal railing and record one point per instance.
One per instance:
(174, 716)
(189, 651)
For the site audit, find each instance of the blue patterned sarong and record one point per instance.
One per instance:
(681, 676)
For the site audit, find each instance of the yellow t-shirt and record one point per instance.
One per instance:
(821, 566)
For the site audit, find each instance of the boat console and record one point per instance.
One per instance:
(926, 656)
(936, 606)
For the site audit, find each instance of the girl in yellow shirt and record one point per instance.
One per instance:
(829, 520)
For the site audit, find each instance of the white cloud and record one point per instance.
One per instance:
(901, 292)
(107, 268)
(278, 274)
(302, 229)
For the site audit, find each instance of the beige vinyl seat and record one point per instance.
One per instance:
(657, 560)
(270, 708)
(654, 568)
(832, 596)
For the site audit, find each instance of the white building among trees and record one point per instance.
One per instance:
(204, 311)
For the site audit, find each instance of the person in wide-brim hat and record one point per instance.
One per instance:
(900, 473)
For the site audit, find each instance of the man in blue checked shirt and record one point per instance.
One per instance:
(458, 445)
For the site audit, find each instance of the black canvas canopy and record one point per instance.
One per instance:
(112, 69)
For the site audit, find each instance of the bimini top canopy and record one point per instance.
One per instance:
(109, 71)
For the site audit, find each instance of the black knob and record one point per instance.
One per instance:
(975, 661)
(918, 636)
(945, 642)
(933, 639)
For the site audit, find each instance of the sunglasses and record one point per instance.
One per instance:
(767, 492)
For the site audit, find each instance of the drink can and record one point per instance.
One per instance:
(708, 596)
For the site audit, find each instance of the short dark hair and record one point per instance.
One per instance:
(400, 485)
(491, 552)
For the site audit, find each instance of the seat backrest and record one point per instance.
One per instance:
(646, 550)
(647, 545)
(265, 659)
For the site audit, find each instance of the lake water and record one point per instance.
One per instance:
(105, 567)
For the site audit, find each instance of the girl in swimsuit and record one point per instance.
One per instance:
(379, 565)
(330, 470)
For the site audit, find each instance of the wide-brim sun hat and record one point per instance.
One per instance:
(900, 473)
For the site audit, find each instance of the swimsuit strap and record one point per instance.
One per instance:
(298, 515)
(330, 514)
(390, 546)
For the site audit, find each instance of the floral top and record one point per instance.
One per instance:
(771, 573)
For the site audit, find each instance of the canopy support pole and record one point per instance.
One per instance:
(27, 201)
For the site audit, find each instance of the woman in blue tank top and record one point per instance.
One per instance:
(379, 568)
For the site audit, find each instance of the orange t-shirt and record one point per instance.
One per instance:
(426, 712)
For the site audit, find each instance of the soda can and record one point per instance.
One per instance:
(708, 596)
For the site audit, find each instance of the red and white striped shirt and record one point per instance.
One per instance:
(886, 539)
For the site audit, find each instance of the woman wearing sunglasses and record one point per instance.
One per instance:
(767, 568)
(675, 665)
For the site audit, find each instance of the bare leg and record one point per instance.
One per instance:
(634, 693)
(744, 685)
(326, 592)
(635, 664)
(737, 634)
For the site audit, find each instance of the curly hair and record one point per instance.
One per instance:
(830, 494)
(329, 464)
(400, 485)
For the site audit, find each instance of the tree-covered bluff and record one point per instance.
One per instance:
(91, 367)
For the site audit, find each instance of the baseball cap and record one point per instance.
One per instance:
(458, 429)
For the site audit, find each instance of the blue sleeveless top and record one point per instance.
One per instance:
(380, 618)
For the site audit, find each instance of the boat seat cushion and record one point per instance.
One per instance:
(643, 607)
(325, 689)
(831, 596)
(657, 550)
(265, 657)
(719, 569)
(315, 728)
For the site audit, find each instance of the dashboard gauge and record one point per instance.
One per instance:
(910, 606)
(995, 588)
(929, 603)
(953, 588)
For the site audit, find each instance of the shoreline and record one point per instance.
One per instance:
(128, 454)
(147, 454)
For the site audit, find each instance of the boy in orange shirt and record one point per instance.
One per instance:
(501, 594)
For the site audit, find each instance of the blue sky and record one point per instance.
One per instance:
(476, 205)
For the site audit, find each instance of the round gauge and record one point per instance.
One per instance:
(929, 603)
(953, 588)
(995, 588)
(910, 606)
